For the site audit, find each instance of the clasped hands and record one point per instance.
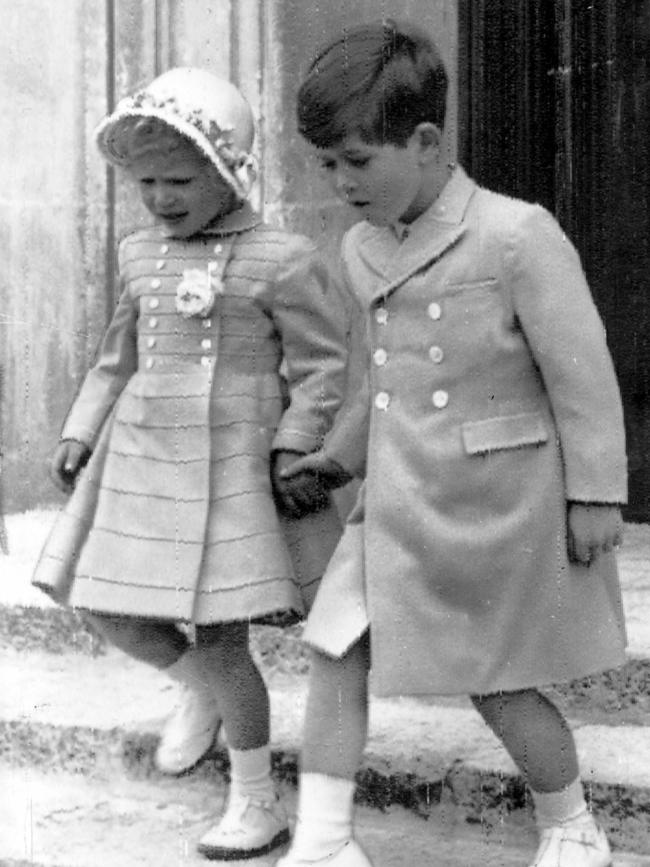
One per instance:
(302, 483)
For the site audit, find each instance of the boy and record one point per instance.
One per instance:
(479, 556)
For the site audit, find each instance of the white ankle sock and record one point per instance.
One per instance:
(250, 773)
(566, 807)
(324, 816)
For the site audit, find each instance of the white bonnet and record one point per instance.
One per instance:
(208, 110)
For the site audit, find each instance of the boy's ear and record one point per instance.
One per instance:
(428, 137)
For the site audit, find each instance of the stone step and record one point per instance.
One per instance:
(70, 705)
(72, 713)
(68, 820)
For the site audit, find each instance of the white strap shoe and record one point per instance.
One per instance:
(193, 726)
(189, 733)
(247, 829)
(573, 847)
(351, 855)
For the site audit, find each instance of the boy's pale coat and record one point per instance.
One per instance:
(492, 401)
(173, 517)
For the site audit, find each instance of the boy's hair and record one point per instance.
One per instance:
(378, 81)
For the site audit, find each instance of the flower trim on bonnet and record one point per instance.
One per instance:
(238, 167)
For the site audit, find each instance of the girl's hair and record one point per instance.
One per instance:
(137, 136)
(377, 80)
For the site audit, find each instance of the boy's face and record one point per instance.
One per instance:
(382, 183)
(181, 189)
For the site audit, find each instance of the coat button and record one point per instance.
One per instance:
(155, 283)
(160, 264)
(206, 343)
(207, 323)
(440, 399)
(382, 399)
(381, 315)
(436, 354)
(380, 357)
(151, 342)
(434, 310)
(164, 249)
(217, 248)
(205, 361)
(149, 363)
(153, 322)
(153, 303)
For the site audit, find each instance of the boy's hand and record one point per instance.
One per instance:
(331, 473)
(592, 529)
(297, 493)
(67, 462)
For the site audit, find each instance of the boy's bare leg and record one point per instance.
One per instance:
(336, 730)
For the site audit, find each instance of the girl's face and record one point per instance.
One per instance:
(182, 189)
(382, 183)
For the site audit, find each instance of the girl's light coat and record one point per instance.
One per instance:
(174, 517)
(491, 402)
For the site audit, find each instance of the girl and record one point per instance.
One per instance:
(479, 556)
(183, 420)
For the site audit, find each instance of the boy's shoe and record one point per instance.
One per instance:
(247, 829)
(573, 847)
(351, 855)
(189, 732)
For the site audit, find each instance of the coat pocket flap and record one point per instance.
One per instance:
(506, 432)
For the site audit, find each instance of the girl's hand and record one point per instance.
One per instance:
(592, 529)
(67, 462)
(297, 492)
(329, 471)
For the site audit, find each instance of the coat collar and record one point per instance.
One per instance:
(241, 220)
(422, 242)
(233, 222)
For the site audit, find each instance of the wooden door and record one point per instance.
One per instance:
(555, 108)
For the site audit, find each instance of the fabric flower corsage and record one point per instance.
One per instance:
(197, 291)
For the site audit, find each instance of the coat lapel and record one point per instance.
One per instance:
(388, 263)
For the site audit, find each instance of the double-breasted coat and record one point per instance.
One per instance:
(173, 517)
(491, 402)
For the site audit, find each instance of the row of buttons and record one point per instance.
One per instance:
(153, 322)
(154, 304)
(434, 311)
(380, 356)
(206, 343)
(440, 398)
(160, 264)
(206, 361)
(164, 249)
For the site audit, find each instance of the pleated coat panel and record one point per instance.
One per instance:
(490, 402)
(174, 517)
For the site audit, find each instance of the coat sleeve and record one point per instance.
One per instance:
(310, 318)
(116, 362)
(559, 319)
(347, 442)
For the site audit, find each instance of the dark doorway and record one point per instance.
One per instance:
(555, 108)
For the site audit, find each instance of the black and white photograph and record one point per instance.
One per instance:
(325, 433)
